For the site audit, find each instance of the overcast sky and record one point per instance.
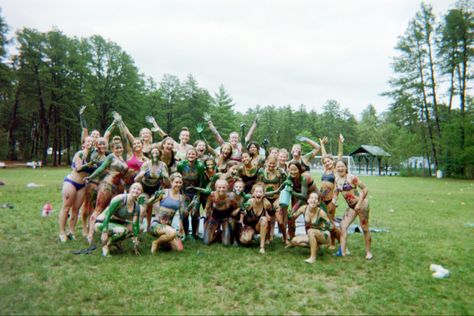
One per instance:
(263, 52)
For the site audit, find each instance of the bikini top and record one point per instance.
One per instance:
(328, 177)
(275, 180)
(84, 161)
(134, 163)
(346, 186)
(169, 202)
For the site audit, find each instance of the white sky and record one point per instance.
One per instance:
(263, 52)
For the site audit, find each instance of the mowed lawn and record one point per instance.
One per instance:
(427, 219)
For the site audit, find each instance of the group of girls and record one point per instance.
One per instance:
(141, 185)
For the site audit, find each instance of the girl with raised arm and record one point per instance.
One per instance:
(96, 159)
(305, 161)
(73, 192)
(318, 226)
(166, 203)
(95, 134)
(328, 185)
(120, 219)
(233, 137)
(180, 148)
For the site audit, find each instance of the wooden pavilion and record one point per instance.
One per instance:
(368, 154)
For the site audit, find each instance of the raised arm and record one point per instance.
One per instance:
(109, 130)
(252, 129)
(340, 150)
(156, 128)
(85, 131)
(313, 144)
(322, 142)
(207, 118)
(200, 130)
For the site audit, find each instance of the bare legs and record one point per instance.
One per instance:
(349, 217)
(72, 199)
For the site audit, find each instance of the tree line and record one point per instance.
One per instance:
(50, 76)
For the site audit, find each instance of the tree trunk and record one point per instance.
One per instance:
(12, 127)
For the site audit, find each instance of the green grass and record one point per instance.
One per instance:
(427, 225)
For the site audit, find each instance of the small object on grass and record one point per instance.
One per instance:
(33, 185)
(2, 183)
(469, 225)
(439, 272)
(47, 209)
(391, 210)
(7, 205)
(85, 251)
(71, 236)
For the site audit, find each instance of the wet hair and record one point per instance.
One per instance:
(208, 158)
(221, 181)
(340, 160)
(227, 145)
(256, 185)
(175, 175)
(327, 156)
(136, 183)
(297, 164)
(199, 141)
(139, 139)
(191, 149)
(271, 158)
(183, 129)
(283, 151)
(253, 143)
(116, 141)
(164, 140)
(155, 146)
(232, 163)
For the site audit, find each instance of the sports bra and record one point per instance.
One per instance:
(134, 163)
(169, 202)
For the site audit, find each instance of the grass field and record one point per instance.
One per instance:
(426, 217)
